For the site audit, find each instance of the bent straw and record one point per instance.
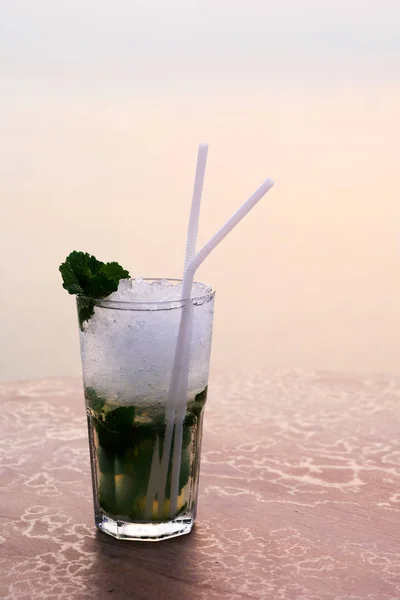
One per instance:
(221, 234)
(178, 388)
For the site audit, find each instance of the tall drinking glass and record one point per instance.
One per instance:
(127, 351)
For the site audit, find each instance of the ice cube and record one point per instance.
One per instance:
(124, 287)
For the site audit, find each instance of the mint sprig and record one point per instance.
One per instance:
(86, 276)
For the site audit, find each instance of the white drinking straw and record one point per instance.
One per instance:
(193, 227)
(179, 386)
(156, 485)
(221, 234)
(181, 391)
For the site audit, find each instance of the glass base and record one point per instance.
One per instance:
(144, 532)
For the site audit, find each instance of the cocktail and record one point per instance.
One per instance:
(127, 349)
(145, 348)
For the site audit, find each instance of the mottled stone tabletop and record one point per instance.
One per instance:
(299, 496)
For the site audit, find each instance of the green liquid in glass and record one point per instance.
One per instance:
(123, 438)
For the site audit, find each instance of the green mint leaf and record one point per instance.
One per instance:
(71, 283)
(77, 270)
(114, 271)
(94, 265)
(84, 275)
(99, 286)
(85, 310)
(96, 402)
(115, 430)
(202, 396)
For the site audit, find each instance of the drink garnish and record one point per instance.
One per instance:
(90, 279)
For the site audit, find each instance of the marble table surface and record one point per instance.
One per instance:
(299, 496)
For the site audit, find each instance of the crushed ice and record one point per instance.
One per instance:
(153, 290)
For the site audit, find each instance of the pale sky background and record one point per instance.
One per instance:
(102, 105)
(135, 42)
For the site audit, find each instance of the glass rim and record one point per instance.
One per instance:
(153, 304)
